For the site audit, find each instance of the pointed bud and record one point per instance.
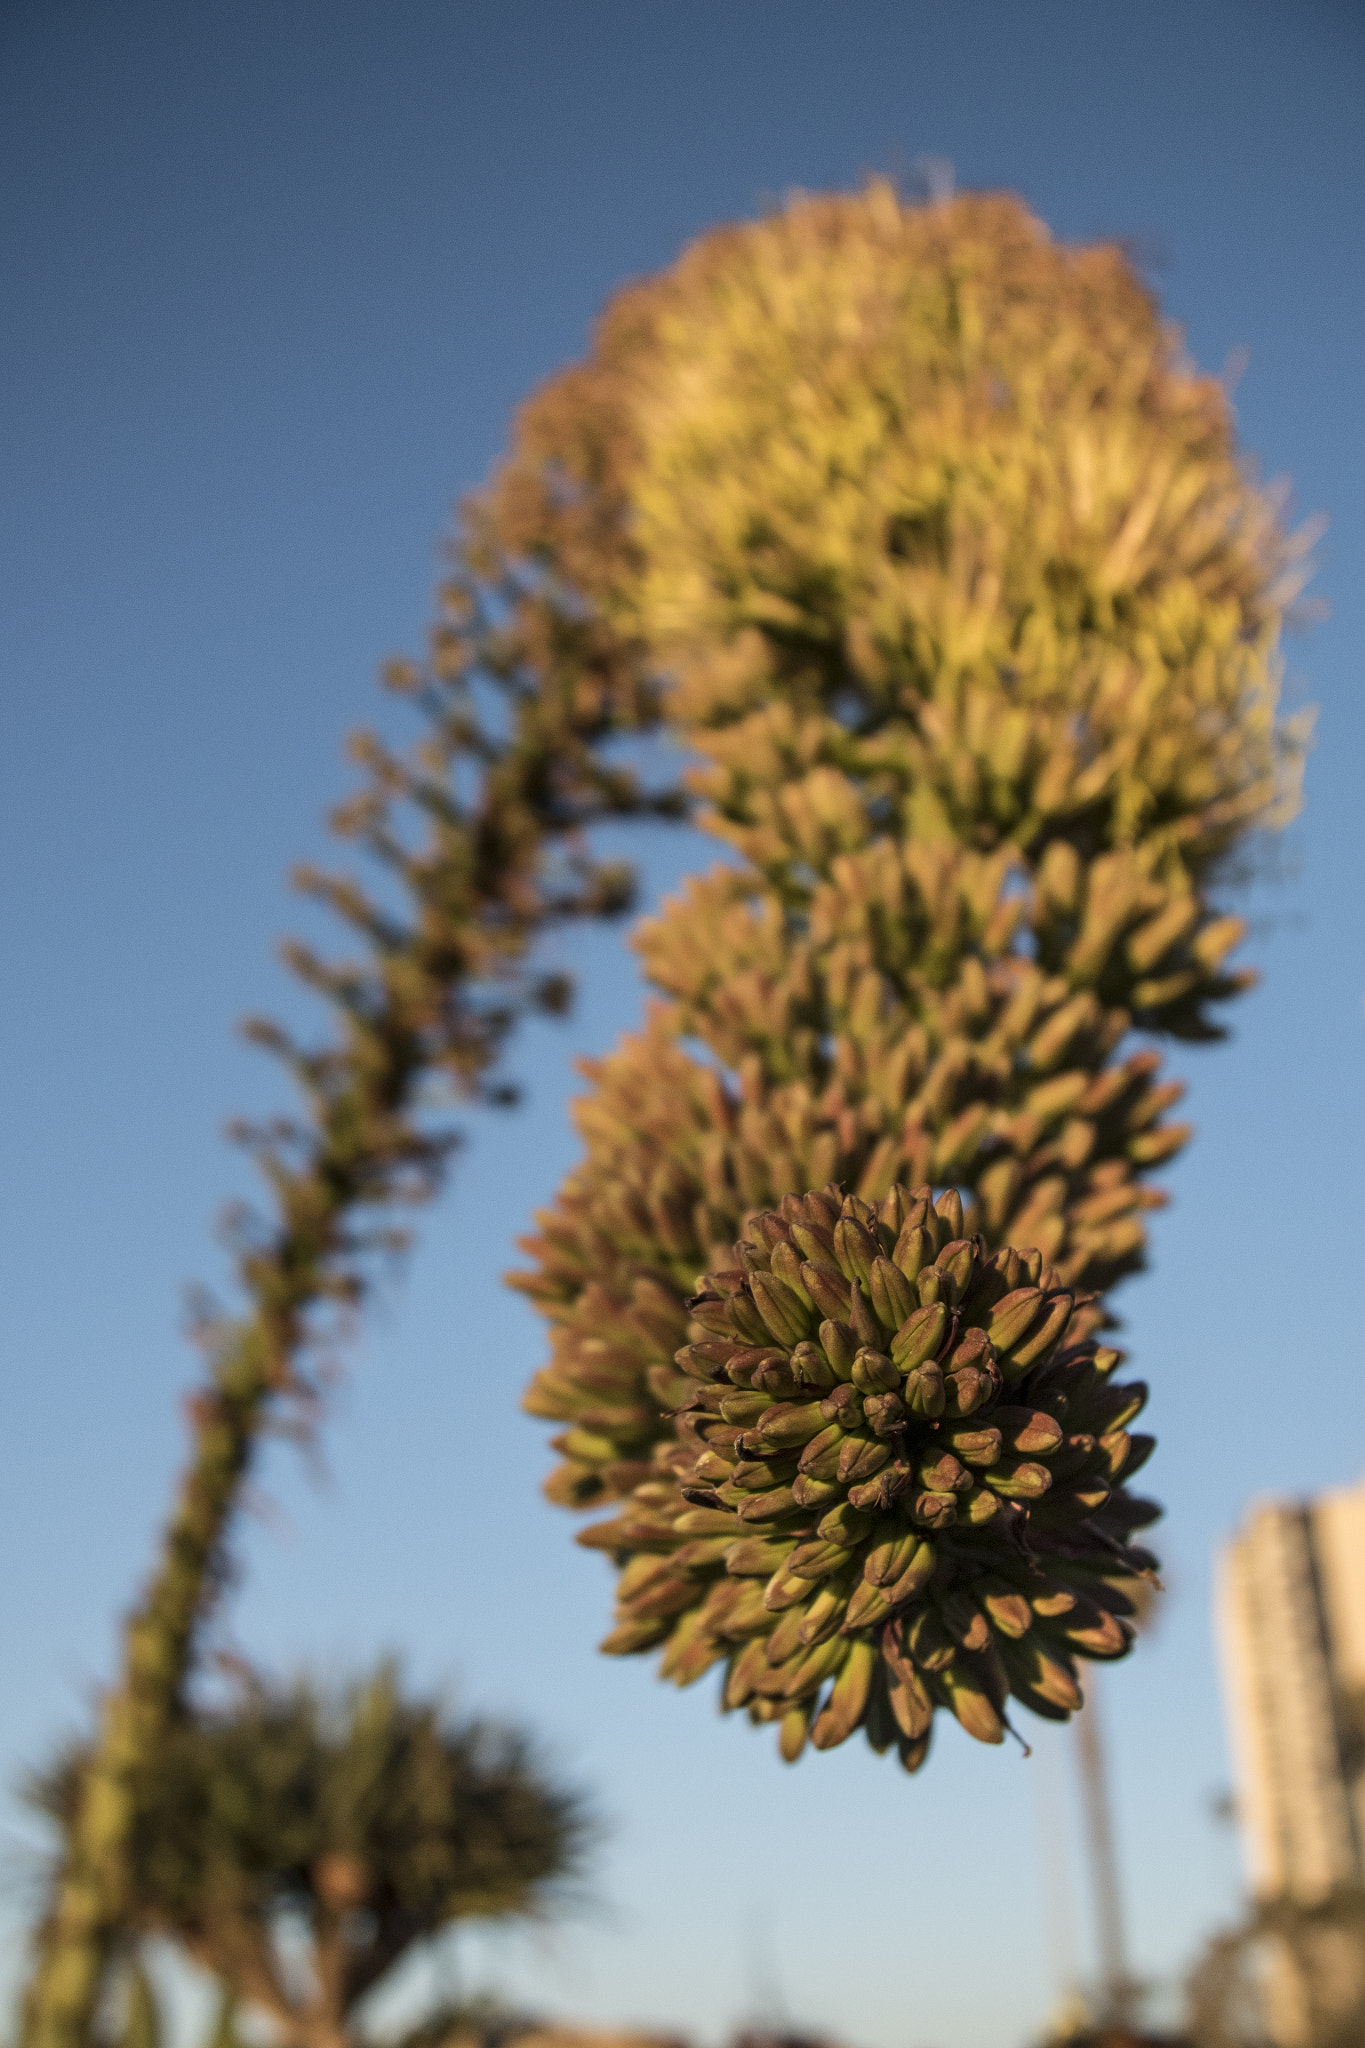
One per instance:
(629, 1637)
(1140, 1448)
(784, 1591)
(1113, 1407)
(745, 1406)
(815, 1667)
(893, 1298)
(1041, 1339)
(743, 1674)
(865, 1326)
(1012, 1318)
(885, 1415)
(786, 1266)
(815, 1241)
(820, 1458)
(846, 1526)
(968, 1390)
(791, 1734)
(756, 1556)
(783, 1311)
(1018, 1479)
(919, 1336)
(941, 1472)
(839, 1346)
(705, 1522)
(973, 1446)
(703, 1551)
(928, 1642)
(826, 1611)
(855, 1248)
(1096, 1633)
(708, 1360)
(935, 1510)
(818, 1559)
(956, 1262)
(849, 1697)
(745, 1320)
(915, 1577)
(809, 1492)
(910, 1704)
(810, 1368)
(914, 1251)
(792, 1423)
(933, 1285)
(827, 1288)
(770, 1504)
(785, 1640)
(712, 1311)
(1007, 1608)
(1049, 1676)
(965, 1621)
(859, 1457)
(886, 1561)
(873, 1372)
(1027, 1430)
(924, 1393)
(968, 1699)
(868, 1605)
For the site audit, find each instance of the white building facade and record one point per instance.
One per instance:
(1290, 1606)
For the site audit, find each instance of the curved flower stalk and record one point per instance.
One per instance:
(898, 1482)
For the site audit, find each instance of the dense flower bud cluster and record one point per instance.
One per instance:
(965, 613)
(896, 1482)
(956, 594)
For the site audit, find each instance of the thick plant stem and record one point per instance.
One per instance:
(254, 1363)
(84, 1916)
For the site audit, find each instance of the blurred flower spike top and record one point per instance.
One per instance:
(897, 1485)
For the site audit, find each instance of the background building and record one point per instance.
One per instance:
(1291, 1621)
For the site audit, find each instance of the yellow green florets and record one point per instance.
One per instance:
(897, 1483)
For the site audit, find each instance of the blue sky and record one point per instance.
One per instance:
(274, 278)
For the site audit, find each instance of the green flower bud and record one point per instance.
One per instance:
(893, 1298)
(919, 1337)
(873, 1371)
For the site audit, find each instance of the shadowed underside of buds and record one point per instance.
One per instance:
(895, 1482)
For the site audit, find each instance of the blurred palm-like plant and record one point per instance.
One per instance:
(298, 1846)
